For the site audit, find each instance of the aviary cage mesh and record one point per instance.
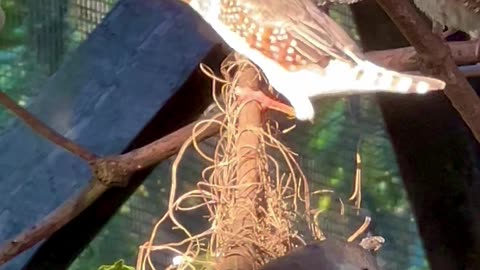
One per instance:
(36, 38)
(40, 34)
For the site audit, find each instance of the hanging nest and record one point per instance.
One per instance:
(257, 197)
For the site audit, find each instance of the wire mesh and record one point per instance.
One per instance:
(85, 15)
(38, 35)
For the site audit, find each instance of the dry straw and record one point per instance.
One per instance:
(283, 218)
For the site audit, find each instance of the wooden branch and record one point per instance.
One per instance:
(43, 130)
(52, 222)
(116, 170)
(407, 59)
(436, 60)
(470, 70)
(138, 159)
(242, 257)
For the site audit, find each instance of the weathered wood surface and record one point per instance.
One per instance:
(89, 225)
(101, 97)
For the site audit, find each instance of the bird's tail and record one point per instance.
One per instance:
(368, 77)
(392, 81)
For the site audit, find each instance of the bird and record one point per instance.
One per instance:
(463, 15)
(302, 52)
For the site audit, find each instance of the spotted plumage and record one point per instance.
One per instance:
(302, 51)
(272, 40)
(265, 29)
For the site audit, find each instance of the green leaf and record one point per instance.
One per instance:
(324, 203)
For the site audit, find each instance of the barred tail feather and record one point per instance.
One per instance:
(382, 79)
(367, 77)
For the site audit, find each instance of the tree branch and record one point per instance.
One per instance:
(116, 170)
(128, 163)
(242, 256)
(52, 222)
(407, 58)
(43, 130)
(436, 60)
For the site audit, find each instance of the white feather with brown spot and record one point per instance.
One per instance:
(308, 81)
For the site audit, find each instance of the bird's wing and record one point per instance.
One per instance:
(292, 32)
(316, 33)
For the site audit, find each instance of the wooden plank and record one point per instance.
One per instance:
(101, 97)
(78, 233)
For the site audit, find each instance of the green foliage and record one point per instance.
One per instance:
(13, 73)
(14, 32)
(325, 137)
(118, 265)
(335, 140)
(324, 203)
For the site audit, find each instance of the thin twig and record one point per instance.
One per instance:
(43, 130)
(115, 170)
(52, 222)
